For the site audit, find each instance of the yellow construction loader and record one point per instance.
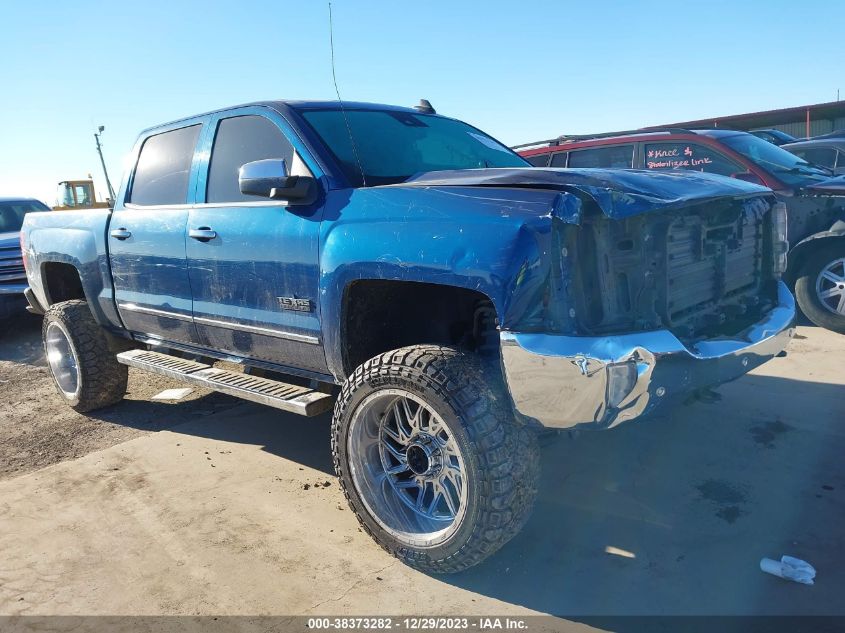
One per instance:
(77, 195)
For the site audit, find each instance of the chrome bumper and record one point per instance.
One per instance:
(563, 381)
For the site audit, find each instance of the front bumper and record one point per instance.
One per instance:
(563, 381)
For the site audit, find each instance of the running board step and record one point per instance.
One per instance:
(293, 398)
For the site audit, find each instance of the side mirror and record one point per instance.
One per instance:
(270, 179)
(748, 176)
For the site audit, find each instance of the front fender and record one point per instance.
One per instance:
(800, 250)
(493, 241)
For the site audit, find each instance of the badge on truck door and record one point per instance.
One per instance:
(292, 303)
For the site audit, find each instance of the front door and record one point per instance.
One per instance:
(252, 262)
(146, 238)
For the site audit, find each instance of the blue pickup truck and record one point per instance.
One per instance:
(419, 277)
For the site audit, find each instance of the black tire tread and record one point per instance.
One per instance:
(103, 380)
(506, 450)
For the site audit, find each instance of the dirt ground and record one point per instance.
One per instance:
(212, 506)
(39, 430)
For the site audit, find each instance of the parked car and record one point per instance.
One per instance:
(776, 137)
(411, 272)
(826, 151)
(816, 206)
(12, 275)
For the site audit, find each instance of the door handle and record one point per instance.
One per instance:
(121, 234)
(202, 234)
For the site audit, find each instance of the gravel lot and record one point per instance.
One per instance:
(212, 506)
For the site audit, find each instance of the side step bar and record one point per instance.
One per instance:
(293, 398)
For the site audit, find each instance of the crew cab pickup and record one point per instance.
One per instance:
(421, 278)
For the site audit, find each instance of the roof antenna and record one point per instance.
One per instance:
(340, 101)
(425, 107)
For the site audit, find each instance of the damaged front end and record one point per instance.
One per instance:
(648, 300)
(650, 287)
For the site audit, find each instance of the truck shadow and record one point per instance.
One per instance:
(217, 416)
(672, 515)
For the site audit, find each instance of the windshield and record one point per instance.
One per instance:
(11, 213)
(782, 164)
(392, 146)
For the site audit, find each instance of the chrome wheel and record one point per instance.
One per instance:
(407, 468)
(62, 359)
(830, 286)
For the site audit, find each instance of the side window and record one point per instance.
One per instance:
(559, 159)
(840, 162)
(824, 156)
(662, 156)
(615, 156)
(164, 167)
(538, 160)
(241, 140)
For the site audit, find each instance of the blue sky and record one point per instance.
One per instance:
(519, 70)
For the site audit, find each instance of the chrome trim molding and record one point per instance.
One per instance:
(290, 336)
(563, 381)
(134, 307)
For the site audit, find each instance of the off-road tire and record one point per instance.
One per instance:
(102, 380)
(501, 454)
(805, 286)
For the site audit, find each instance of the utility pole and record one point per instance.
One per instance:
(103, 162)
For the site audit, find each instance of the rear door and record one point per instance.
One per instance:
(147, 236)
(253, 262)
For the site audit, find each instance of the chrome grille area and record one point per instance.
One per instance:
(11, 265)
(714, 270)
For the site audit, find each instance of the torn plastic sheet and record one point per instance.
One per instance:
(789, 568)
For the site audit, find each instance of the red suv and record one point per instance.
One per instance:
(814, 199)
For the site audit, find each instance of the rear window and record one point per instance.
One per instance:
(164, 167)
(11, 213)
(824, 156)
(663, 156)
(559, 159)
(615, 156)
(538, 160)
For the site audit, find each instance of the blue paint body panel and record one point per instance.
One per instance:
(491, 231)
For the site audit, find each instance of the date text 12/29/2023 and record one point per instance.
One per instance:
(417, 623)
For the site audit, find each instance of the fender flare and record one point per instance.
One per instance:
(800, 250)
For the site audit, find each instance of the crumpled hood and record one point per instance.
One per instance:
(619, 193)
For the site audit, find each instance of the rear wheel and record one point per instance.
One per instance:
(431, 458)
(85, 372)
(820, 287)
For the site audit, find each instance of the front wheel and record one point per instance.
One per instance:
(820, 286)
(85, 372)
(431, 458)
